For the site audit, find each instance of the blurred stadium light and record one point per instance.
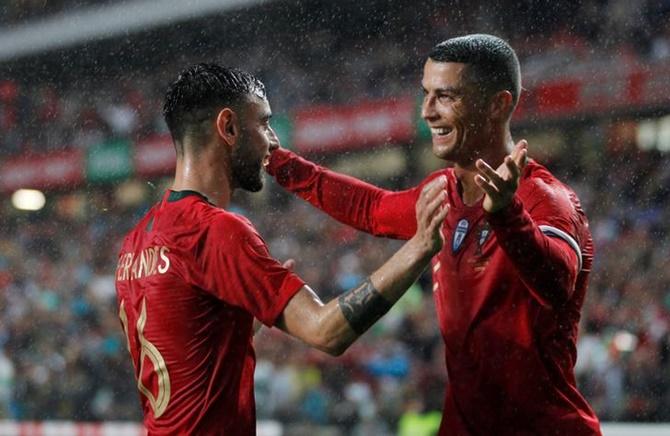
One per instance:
(104, 22)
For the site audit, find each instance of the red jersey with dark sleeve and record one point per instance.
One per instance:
(508, 289)
(190, 279)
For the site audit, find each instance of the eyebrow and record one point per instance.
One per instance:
(446, 90)
(450, 89)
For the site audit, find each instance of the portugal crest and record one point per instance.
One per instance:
(459, 235)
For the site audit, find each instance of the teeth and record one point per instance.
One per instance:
(440, 130)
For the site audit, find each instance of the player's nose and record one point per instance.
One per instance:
(428, 111)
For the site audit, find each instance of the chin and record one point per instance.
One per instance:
(254, 184)
(444, 152)
(247, 179)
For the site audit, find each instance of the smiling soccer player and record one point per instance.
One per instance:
(192, 276)
(511, 278)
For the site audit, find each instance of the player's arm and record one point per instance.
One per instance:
(548, 265)
(347, 199)
(332, 327)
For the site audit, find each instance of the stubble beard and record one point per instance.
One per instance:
(246, 170)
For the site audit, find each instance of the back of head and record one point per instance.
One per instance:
(492, 65)
(200, 91)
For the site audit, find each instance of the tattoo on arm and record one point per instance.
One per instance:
(363, 306)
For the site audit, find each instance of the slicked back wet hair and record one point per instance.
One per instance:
(492, 65)
(200, 91)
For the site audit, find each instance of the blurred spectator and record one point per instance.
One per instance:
(64, 354)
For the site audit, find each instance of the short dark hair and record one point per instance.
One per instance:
(492, 64)
(199, 92)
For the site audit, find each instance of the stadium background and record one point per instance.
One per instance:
(81, 84)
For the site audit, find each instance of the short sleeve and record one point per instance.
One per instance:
(242, 273)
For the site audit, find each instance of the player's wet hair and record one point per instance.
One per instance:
(492, 65)
(197, 95)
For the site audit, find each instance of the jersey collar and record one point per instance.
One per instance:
(179, 195)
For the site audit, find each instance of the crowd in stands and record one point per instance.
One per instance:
(62, 353)
(339, 54)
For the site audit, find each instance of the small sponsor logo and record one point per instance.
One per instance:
(459, 235)
(484, 233)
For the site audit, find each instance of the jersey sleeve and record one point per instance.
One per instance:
(539, 233)
(242, 272)
(347, 199)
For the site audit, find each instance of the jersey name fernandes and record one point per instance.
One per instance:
(150, 261)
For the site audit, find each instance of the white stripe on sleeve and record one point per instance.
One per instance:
(558, 233)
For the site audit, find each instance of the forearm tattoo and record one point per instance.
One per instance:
(362, 306)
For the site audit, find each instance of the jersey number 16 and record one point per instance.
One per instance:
(160, 401)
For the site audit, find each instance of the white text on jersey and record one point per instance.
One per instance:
(150, 261)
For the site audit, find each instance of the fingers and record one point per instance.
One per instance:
(522, 160)
(520, 153)
(432, 198)
(512, 167)
(429, 193)
(439, 198)
(437, 219)
(434, 186)
(488, 173)
(486, 186)
(289, 264)
(433, 208)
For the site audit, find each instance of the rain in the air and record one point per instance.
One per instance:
(334, 218)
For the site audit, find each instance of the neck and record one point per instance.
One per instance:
(204, 174)
(493, 154)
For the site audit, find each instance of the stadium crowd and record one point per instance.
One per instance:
(62, 353)
(375, 58)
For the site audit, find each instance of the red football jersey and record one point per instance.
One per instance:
(190, 279)
(508, 288)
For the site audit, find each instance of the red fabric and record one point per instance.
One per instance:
(199, 312)
(508, 297)
(349, 200)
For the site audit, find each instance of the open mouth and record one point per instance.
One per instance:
(266, 161)
(441, 131)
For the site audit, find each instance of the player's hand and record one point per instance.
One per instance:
(289, 264)
(431, 210)
(275, 144)
(500, 185)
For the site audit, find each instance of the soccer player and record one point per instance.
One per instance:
(509, 282)
(191, 276)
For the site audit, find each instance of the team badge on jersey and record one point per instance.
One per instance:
(459, 235)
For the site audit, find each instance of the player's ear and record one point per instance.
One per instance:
(502, 105)
(227, 126)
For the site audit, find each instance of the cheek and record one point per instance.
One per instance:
(447, 112)
(260, 139)
(459, 116)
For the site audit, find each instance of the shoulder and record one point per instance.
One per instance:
(539, 186)
(551, 202)
(225, 226)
